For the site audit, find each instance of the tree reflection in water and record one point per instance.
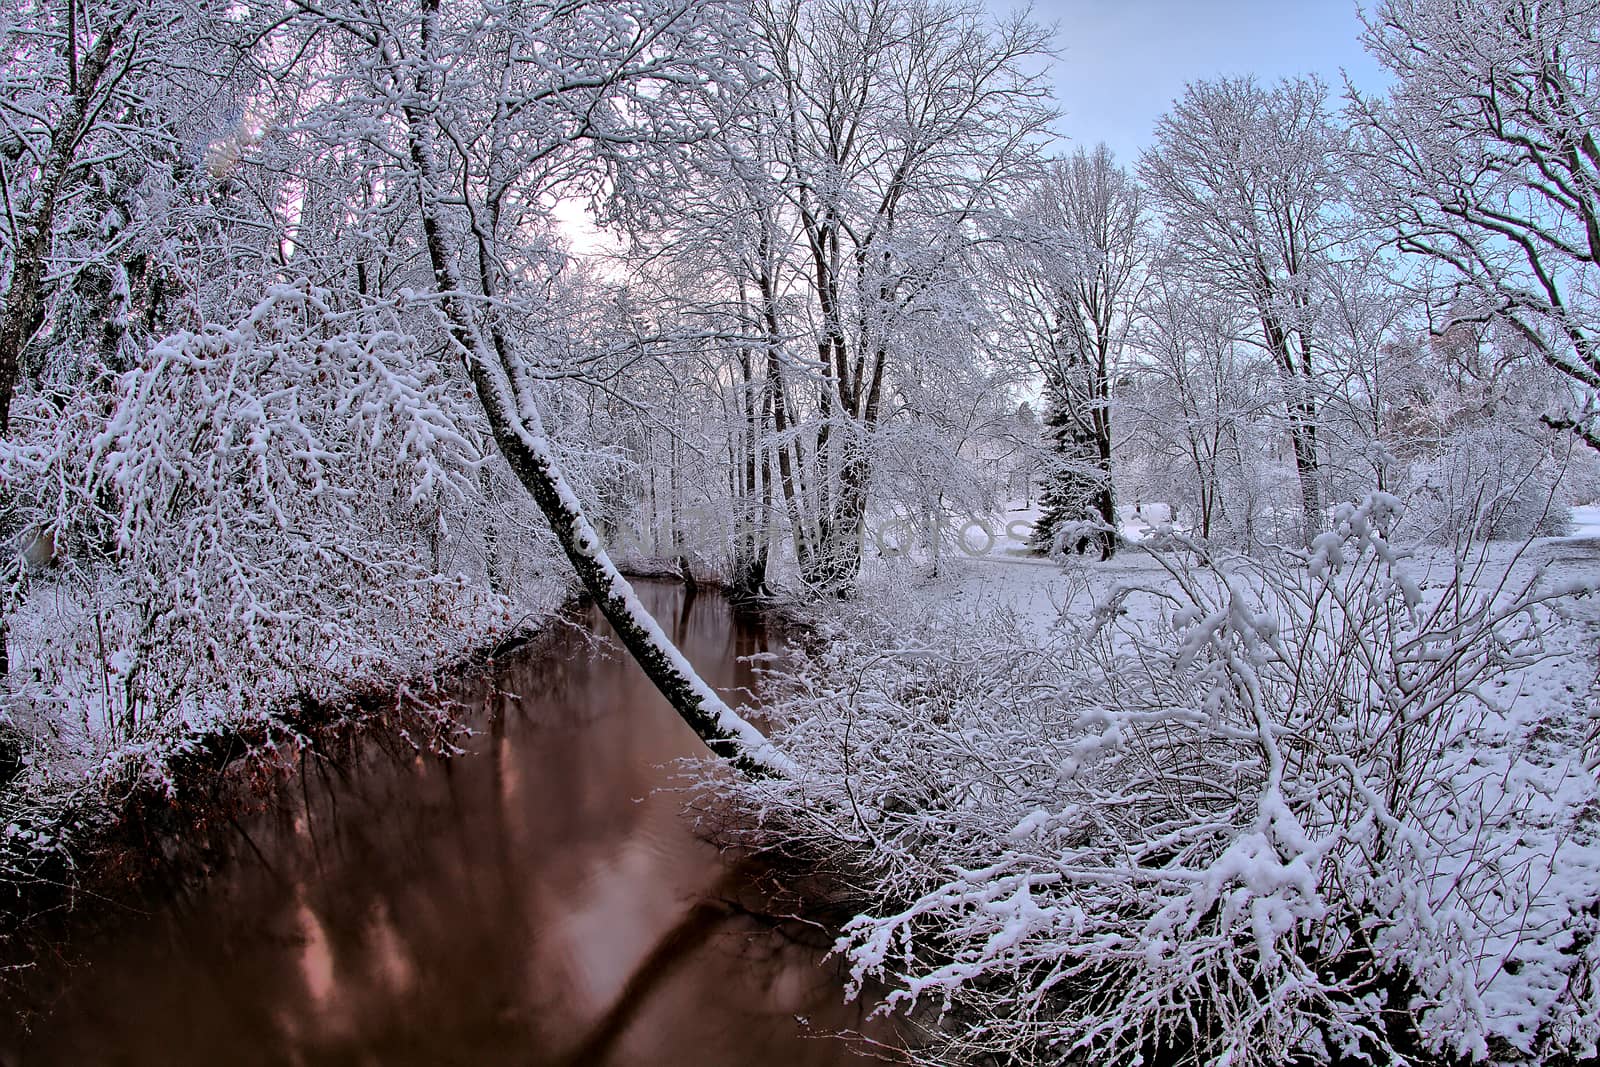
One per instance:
(541, 900)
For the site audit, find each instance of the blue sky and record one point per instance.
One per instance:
(1124, 61)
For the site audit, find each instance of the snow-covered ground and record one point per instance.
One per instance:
(1011, 577)
(1511, 828)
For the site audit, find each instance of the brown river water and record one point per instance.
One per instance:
(543, 899)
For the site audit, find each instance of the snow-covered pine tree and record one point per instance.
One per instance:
(1073, 266)
(1077, 511)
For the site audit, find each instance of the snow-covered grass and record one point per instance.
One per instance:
(1217, 810)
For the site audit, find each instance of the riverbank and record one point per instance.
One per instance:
(1153, 807)
(89, 812)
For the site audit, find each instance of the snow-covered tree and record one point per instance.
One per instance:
(892, 128)
(111, 115)
(1363, 313)
(106, 108)
(1471, 452)
(1071, 272)
(477, 120)
(943, 451)
(1482, 159)
(1193, 397)
(1250, 187)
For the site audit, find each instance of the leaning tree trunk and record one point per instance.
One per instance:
(518, 432)
(534, 463)
(527, 449)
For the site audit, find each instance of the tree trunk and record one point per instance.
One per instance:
(790, 461)
(1303, 436)
(530, 456)
(23, 312)
(1105, 500)
(521, 438)
(1302, 413)
(749, 566)
(837, 562)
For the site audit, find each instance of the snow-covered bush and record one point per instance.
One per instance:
(1489, 482)
(1266, 810)
(253, 514)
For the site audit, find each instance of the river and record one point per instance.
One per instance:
(542, 899)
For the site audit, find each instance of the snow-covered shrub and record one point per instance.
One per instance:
(1264, 811)
(253, 514)
(1488, 482)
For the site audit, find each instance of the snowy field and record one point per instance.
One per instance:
(1009, 577)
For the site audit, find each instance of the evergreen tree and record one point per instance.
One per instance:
(1070, 303)
(1077, 508)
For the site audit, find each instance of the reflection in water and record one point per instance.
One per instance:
(539, 901)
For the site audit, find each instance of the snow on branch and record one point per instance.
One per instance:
(250, 523)
(1271, 808)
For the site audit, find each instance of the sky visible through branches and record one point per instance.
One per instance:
(1123, 62)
